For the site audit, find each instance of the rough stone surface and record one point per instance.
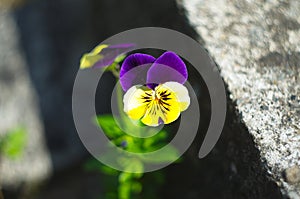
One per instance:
(18, 107)
(257, 47)
(292, 175)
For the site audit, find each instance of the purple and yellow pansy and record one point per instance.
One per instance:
(154, 88)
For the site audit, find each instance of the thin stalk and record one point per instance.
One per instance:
(116, 73)
(120, 98)
(1, 193)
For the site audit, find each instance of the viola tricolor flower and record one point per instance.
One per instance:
(155, 93)
(104, 55)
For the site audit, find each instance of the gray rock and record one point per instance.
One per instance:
(292, 175)
(18, 107)
(257, 47)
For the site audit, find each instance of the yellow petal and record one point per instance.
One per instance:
(89, 59)
(135, 101)
(99, 48)
(182, 94)
(161, 106)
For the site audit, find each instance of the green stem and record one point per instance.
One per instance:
(120, 99)
(1, 192)
(115, 72)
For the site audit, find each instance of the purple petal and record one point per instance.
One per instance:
(111, 53)
(134, 70)
(168, 67)
(122, 46)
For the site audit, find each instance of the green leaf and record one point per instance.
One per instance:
(120, 58)
(110, 195)
(131, 165)
(94, 165)
(156, 139)
(109, 126)
(109, 171)
(169, 154)
(111, 67)
(136, 187)
(14, 142)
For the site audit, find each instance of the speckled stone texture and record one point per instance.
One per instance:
(18, 108)
(257, 47)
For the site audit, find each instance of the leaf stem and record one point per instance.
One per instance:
(120, 99)
(119, 90)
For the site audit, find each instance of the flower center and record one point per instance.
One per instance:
(155, 96)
